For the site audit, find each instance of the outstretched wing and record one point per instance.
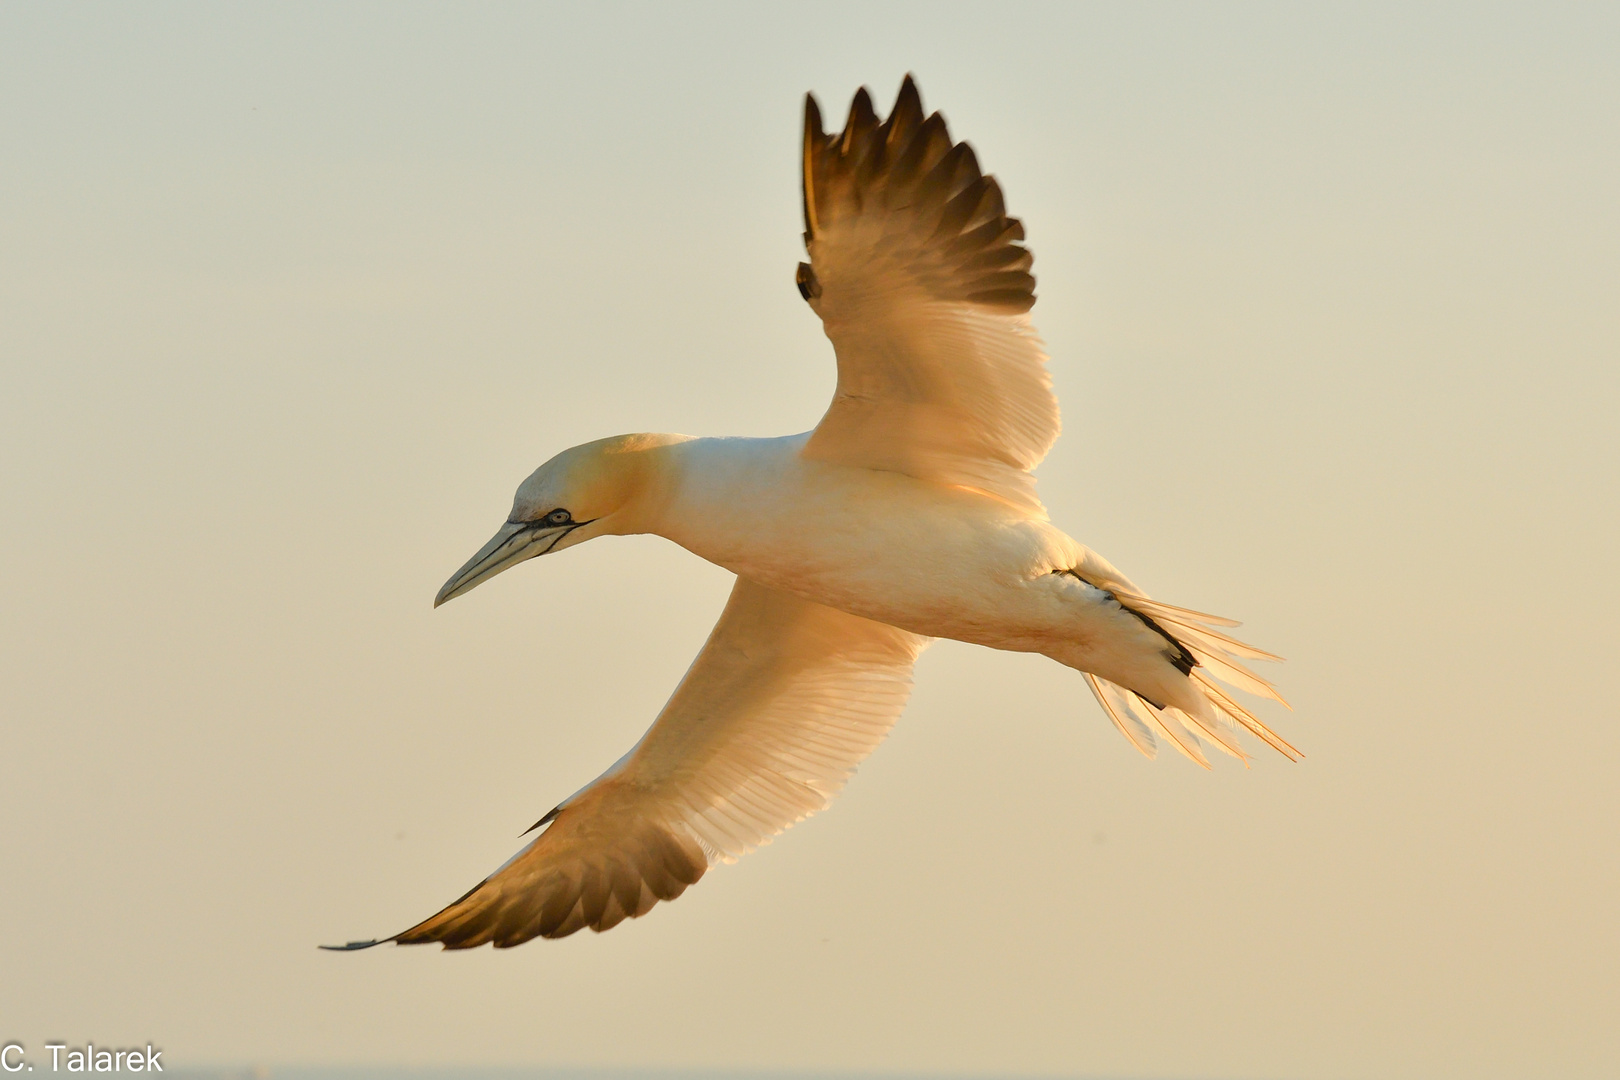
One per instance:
(923, 286)
(785, 699)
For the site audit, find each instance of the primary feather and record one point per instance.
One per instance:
(908, 513)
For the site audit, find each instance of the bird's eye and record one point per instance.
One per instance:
(558, 517)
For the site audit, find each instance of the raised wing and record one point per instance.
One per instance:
(923, 286)
(785, 699)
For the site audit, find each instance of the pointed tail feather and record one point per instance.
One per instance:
(1238, 713)
(1171, 611)
(1177, 733)
(1221, 653)
(1138, 719)
(1215, 728)
(1220, 656)
(1118, 703)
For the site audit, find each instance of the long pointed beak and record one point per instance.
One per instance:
(517, 541)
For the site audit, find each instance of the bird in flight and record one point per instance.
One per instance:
(907, 514)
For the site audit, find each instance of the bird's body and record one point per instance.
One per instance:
(938, 560)
(907, 514)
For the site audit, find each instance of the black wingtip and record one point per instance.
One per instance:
(862, 118)
(550, 816)
(809, 287)
(354, 946)
(812, 117)
(813, 136)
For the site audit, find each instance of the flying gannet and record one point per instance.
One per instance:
(907, 514)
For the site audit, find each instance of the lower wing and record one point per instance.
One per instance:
(782, 703)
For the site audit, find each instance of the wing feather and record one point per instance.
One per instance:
(923, 285)
(782, 703)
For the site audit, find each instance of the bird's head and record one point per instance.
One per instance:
(596, 489)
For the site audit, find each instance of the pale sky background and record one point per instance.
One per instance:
(292, 296)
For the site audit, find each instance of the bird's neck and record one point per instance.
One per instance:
(694, 490)
(647, 470)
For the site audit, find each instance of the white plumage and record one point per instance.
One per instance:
(907, 514)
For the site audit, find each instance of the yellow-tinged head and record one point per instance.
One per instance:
(595, 489)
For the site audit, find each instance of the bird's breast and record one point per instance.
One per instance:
(931, 559)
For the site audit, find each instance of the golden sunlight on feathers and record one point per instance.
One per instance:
(782, 703)
(909, 513)
(923, 287)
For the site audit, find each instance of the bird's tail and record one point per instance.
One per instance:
(1217, 717)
